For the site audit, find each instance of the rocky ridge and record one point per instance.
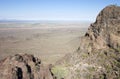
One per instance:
(98, 56)
(24, 66)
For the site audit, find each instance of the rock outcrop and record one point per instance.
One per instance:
(105, 32)
(24, 67)
(98, 56)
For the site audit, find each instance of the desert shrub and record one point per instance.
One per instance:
(102, 77)
(37, 67)
(59, 72)
(91, 69)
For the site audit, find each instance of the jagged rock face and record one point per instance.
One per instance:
(23, 67)
(105, 32)
(98, 56)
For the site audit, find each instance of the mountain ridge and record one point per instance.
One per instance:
(98, 54)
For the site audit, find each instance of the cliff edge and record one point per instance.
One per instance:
(98, 56)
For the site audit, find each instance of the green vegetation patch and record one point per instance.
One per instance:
(60, 72)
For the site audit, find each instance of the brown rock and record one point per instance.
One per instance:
(105, 31)
(99, 52)
(23, 67)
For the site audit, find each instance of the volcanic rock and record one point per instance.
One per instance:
(24, 67)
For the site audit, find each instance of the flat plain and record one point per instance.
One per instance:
(47, 41)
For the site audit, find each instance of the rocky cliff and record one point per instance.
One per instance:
(105, 32)
(98, 56)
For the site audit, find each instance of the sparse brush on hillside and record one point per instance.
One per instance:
(98, 56)
(59, 72)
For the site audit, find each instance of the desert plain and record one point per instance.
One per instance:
(49, 41)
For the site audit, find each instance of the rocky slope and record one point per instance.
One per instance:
(98, 56)
(24, 67)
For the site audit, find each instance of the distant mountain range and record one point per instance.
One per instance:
(18, 21)
(41, 21)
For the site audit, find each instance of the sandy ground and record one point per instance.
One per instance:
(48, 41)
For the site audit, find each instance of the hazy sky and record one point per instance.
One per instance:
(53, 9)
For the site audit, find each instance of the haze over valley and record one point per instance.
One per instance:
(48, 41)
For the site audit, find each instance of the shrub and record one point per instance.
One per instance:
(59, 72)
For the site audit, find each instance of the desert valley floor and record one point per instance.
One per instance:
(47, 41)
